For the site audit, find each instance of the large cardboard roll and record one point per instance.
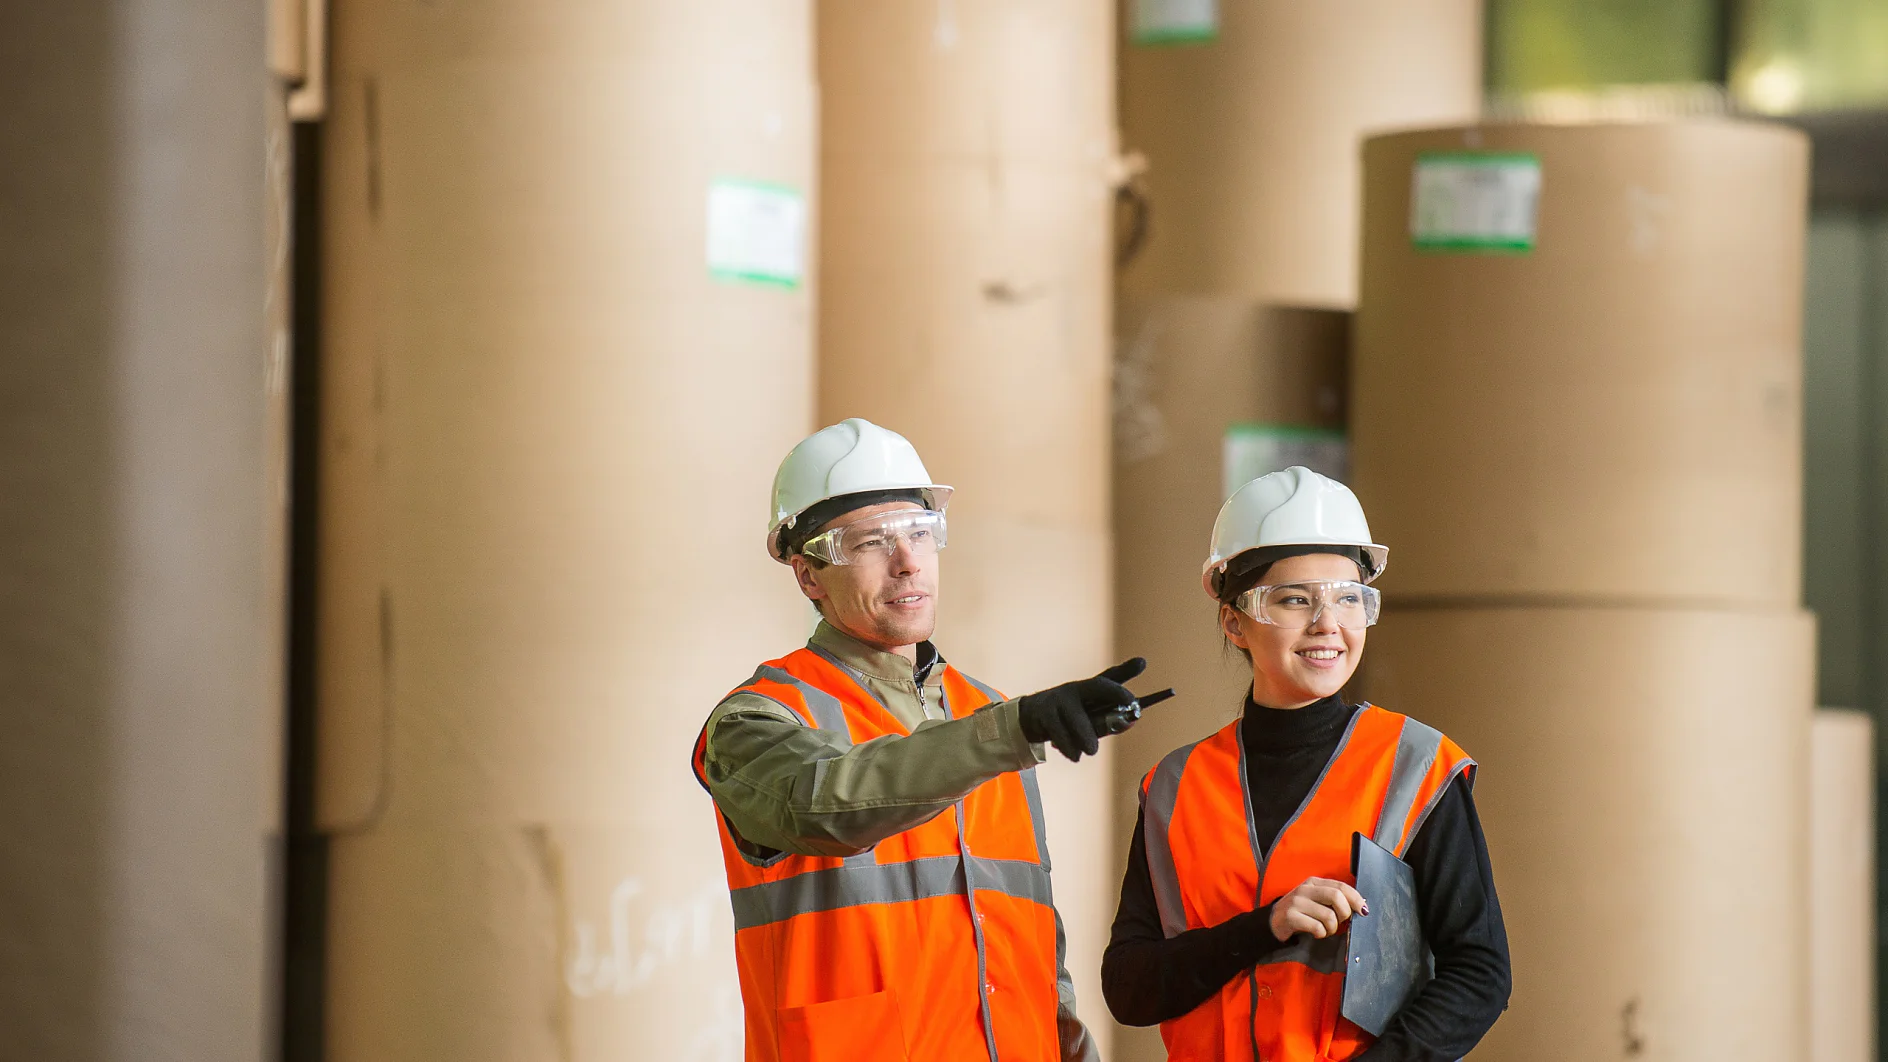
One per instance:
(1842, 887)
(1644, 791)
(1251, 136)
(567, 336)
(138, 590)
(532, 940)
(1578, 366)
(966, 152)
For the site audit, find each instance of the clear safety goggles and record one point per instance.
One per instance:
(1294, 606)
(919, 530)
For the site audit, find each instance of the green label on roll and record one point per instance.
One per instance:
(1254, 450)
(1474, 201)
(756, 232)
(1159, 22)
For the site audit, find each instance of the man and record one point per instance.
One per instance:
(879, 817)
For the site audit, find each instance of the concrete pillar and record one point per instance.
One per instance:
(567, 335)
(965, 159)
(135, 580)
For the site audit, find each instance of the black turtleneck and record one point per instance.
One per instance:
(1148, 978)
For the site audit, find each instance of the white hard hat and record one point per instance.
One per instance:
(850, 457)
(1293, 507)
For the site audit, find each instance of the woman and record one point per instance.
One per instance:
(1238, 886)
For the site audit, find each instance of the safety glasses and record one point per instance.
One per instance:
(1294, 606)
(919, 530)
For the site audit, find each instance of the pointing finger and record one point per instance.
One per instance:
(1125, 670)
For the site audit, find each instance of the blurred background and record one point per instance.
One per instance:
(390, 393)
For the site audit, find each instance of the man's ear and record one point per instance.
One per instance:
(803, 574)
(1229, 624)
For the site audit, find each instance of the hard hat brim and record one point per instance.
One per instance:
(1378, 556)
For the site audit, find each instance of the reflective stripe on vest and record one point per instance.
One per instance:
(954, 916)
(1383, 779)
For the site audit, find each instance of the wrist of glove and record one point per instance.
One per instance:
(1075, 716)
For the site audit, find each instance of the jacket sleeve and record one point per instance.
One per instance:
(784, 786)
(1077, 1044)
(1148, 977)
(1461, 921)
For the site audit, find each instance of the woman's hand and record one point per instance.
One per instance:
(1317, 906)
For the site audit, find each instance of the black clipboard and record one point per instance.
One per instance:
(1386, 962)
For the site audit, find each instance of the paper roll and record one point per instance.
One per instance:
(1842, 887)
(547, 940)
(965, 159)
(1643, 787)
(567, 337)
(1603, 404)
(139, 592)
(1251, 138)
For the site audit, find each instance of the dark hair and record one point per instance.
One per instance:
(1248, 569)
(819, 514)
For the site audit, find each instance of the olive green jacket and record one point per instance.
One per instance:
(786, 786)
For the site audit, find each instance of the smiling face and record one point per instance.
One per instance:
(889, 601)
(1293, 668)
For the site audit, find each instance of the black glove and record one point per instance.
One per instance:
(1075, 716)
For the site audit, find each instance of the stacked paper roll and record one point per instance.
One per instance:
(966, 154)
(1576, 417)
(567, 332)
(138, 588)
(1842, 887)
(1628, 753)
(1233, 315)
(1612, 411)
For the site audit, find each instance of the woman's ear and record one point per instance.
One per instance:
(1229, 623)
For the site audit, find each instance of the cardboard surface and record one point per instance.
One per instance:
(1643, 788)
(528, 941)
(135, 801)
(1612, 416)
(1252, 139)
(278, 307)
(549, 434)
(1842, 882)
(990, 80)
(542, 411)
(965, 231)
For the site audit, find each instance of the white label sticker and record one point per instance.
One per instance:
(756, 232)
(1254, 450)
(1175, 21)
(1474, 201)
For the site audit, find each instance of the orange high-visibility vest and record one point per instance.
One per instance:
(1207, 865)
(937, 944)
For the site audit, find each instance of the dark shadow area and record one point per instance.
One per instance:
(59, 569)
(305, 900)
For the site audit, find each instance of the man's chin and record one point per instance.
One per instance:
(905, 630)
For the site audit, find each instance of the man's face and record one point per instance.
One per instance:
(886, 599)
